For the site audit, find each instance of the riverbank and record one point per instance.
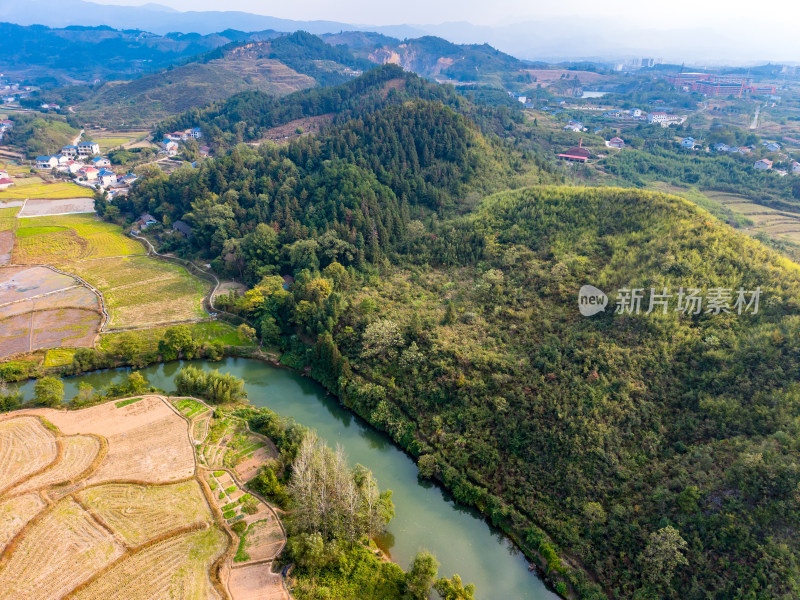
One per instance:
(427, 515)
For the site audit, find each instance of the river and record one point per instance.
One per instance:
(426, 515)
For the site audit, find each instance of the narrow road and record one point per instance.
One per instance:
(78, 138)
(754, 124)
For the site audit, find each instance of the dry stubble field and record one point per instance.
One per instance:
(104, 503)
(109, 502)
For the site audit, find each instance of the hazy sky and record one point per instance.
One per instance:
(653, 13)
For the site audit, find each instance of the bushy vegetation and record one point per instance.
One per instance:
(214, 386)
(38, 135)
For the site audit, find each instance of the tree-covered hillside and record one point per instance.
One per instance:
(635, 454)
(347, 196)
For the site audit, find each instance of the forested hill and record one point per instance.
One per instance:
(656, 452)
(247, 116)
(274, 68)
(347, 195)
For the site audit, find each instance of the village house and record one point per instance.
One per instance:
(688, 143)
(576, 153)
(182, 228)
(573, 126)
(145, 220)
(745, 150)
(88, 173)
(3, 174)
(772, 146)
(205, 150)
(127, 179)
(101, 161)
(196, 133)
(5, 183)
(795, 167)
(69, 150)
(46, 162)
(763, 165)
(169, 147)
(88, 148)
(73, 166)
(720, 147)
(106, 177)
(616, 142)
(635, 112)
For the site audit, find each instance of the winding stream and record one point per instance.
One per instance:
(426, 515)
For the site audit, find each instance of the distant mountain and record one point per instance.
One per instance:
(79, 54)
(154, 18)
(436, 58)
(552, 39)
(276, 67)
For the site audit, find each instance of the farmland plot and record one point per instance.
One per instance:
(15, 513)
(162, 570)
(110, 505)
(143, 291)
(58, 552)
(78, 455)
(140, 512)
(26, 447)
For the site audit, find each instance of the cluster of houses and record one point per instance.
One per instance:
(171, 142)
(654, 118)
(732, 149)
(5, 125)
(13, 92)
(82, 161)
(146, 219)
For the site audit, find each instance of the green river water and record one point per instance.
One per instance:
(426, 515)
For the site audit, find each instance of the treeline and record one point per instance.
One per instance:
(336, 511)
(214, 386)
(48, 391)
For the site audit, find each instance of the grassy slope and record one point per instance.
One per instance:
(534, 413)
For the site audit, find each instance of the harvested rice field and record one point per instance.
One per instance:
(40, 308)
(143, 291)
(106, 502)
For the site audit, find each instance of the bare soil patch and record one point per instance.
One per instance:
(41, 207)
(147, 442)
(72, 327)
(288, 131)
(549, 76)
(17, 283)
(225, 287)
(256, 582)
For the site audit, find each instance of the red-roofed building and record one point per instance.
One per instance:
(576, 153)
(6, 183)
(616, 142)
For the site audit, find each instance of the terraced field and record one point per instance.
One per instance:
(137, 291)
(142, 291)
(36, 188)
(105, 503)
(777, 223)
